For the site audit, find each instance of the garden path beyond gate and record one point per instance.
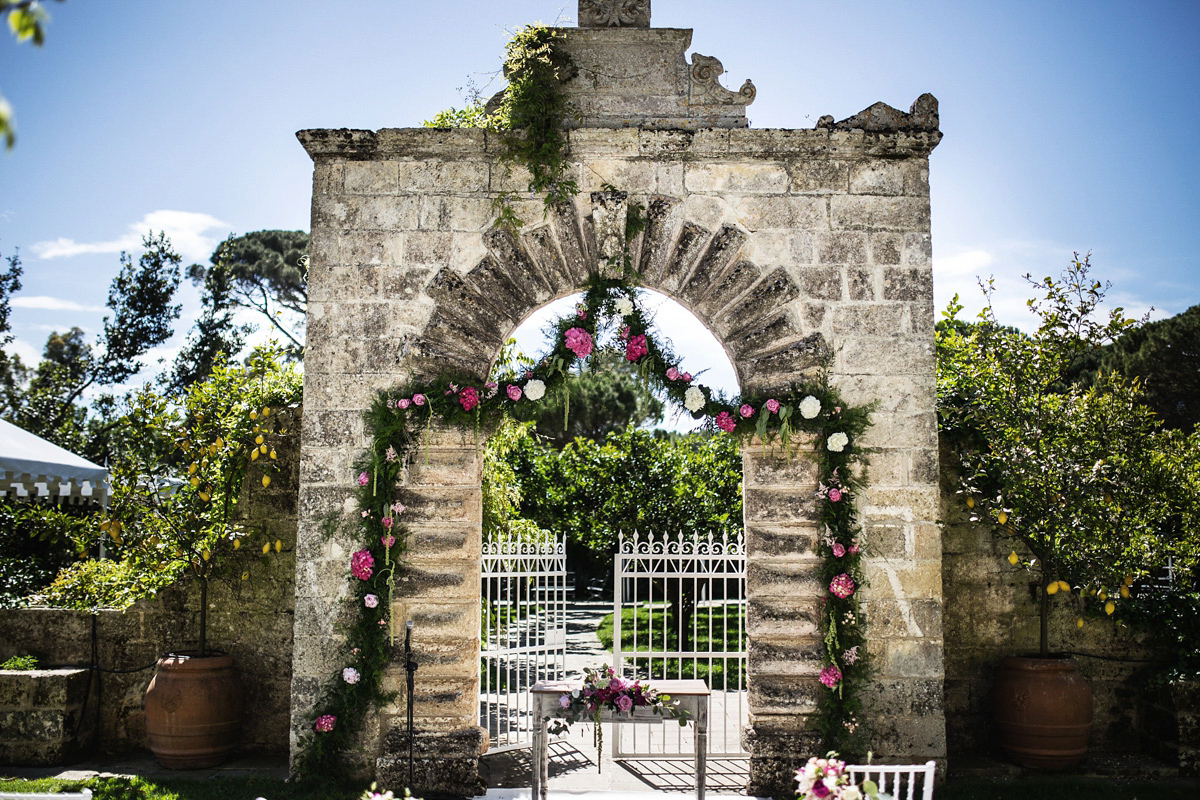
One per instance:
(523, 596)
(679, 611)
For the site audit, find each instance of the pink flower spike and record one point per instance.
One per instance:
(418, 399)
(746, 411)
(363, 479)
(773, 406)
(403, 403)
(726, 422)
(514, 392)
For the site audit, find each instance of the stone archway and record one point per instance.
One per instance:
(789, 245)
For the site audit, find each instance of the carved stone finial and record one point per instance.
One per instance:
(614, 13)
(708, 91)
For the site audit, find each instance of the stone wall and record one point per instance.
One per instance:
(251, 620)
(991, 611)
(789, 245)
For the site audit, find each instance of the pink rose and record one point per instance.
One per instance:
(324, 723)
(362, 564)
(773, 406)
(838, 550)
(579, 342)
(624, 702)
(363, 479)
(831, 676)
(564, 701)
(672, 374)
(635, 348)
(403, 403)
(746, 411)
(819, 788)
(514, 392)
(469, 398)
(835, 495)
(418, 399)
(726, 422)
(581, 310)
(687, 377)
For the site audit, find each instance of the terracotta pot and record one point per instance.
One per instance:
(193, 710)
(1043, 710)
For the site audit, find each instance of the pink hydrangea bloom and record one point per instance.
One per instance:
(469, 398)
(418, 399)
(831, 676)
(773, 406)
(635, 348)
(324, 723)
(835, 495)
(746, 411)
(371, 600)
(726, 422)
(362, 564)
(403, 403)
(363, 478)
(579, 342)
(842, 586)
(514, 392)
(839, 550)
(350, 675)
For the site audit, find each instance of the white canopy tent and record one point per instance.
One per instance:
(32, 466)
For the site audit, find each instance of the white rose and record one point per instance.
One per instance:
(810, 407)
(693, 399)
(535, 389)
(851, 793)
(837, 442)
(624, 306)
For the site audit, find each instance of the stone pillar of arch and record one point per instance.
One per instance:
(791, 246)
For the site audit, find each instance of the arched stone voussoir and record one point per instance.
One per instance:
(711, 266)
(772, 292)
(779, 369)
(509, 272)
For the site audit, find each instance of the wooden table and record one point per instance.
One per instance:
(692, 696)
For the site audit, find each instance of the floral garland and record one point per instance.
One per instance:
(609, 309)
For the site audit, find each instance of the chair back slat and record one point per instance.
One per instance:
(898, 780)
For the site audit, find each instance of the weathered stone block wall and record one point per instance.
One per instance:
(991, 612)
(251, 620)
(42, 719)
(788, 245)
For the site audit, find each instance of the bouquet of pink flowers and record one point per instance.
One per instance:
(828, 779)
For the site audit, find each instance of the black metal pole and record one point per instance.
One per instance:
(410, 666)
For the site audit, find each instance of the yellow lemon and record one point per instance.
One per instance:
(262, 448)
(273, 455)
(970, 502)
(266, 548)
(1079, 622)
(266, 411)
(278, 545)
(253, 415)
(104, 526)
(195, 482)
(1110, 607)
(205, 496)
(1124, 591)
(1064, 586)
(1129, 580)
(254, 454)
(212, 449)
(116, 537)
(1102, 594)
(1002, 518)
(258, 439)
(237, 543)
(1013, 558)
(220, 442)
(205, 554)
(1052, 587)
(266, 481)
(1107, 497)
(245, 576)
(192, 469)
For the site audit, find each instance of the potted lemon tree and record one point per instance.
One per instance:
(1070, 472)
(179, 513)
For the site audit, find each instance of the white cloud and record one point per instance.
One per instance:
(187, 231)
(45, 303)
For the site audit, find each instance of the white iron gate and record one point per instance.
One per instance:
(523, 633)
(679, 611)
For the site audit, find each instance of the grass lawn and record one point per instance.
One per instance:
(716, 628)
(136, 788)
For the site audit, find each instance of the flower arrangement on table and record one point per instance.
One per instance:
(609, 316)
(604, 690)
(828, 779)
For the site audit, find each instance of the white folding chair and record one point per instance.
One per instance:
(898, 780)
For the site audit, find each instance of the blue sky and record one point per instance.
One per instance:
(1069, 126)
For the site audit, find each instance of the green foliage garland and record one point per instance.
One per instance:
(609, 309)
